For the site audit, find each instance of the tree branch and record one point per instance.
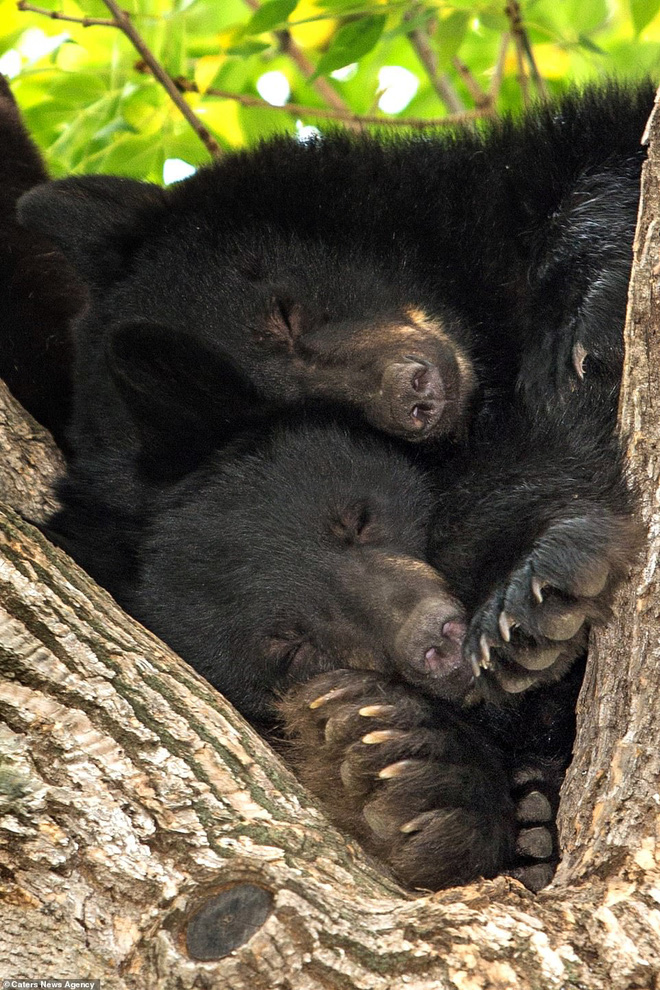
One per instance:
(122, 22)
(30, 463)
(524, 51)
(125, 25)
(498, 73)
(483, 101)
(324, 88)
(346, 116)
(427, 55)
(150, 838)
(617, 736)
(55, 15)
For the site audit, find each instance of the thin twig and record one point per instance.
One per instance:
(427, 55)
(512, 11)
(536, 75)
(328, 113)
(125, 25)
(121, 21)
(524, 50)
(498, 73)
(287, 46)
(175, 88)
(55, 15)
(482, 100)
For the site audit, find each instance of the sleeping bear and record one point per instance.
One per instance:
(465, 293)
(298, 555)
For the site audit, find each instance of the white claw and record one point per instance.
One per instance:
(325, 698)
(374, 711)
(474, 663)
(505, 623)
(381, 736)
(579, 355)
(484, 647)
(537, 589)
(397, 769)
(418, 823)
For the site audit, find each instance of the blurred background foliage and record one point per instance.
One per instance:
(247, 70)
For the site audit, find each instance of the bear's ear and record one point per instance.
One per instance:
(94, 219)
(184, 399)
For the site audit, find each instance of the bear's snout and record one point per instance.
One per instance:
(429, 649)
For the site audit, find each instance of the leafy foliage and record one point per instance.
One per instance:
(93, 106)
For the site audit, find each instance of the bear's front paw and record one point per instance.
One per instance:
(403, 773)
(533, 626)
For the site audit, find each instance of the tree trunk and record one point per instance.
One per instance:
(149, 838)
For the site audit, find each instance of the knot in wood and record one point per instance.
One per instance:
(227, 920)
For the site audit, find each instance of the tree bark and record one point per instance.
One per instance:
(149, 838)
(30, 463)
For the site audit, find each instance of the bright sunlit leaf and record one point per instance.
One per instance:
(351, 42)
(274, 88)
(398, 87)
(643, 12)
(175, 169)
(270, 15)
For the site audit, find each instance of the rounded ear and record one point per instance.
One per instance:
(94, 219)
(184, 399)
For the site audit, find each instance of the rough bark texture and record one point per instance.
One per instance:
(30, 463)
(611, 800)
(143, 825)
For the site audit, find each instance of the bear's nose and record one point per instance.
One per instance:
(429, 649)
(413, 396)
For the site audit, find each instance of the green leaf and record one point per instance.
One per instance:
(589, 45)
(586, 15)
(350, 43)
(449, 36)
(345, 6)
(420, 20)
(642, 12)
(270, 15)
(493, 21)
(248, 48)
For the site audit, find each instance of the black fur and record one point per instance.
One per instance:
(39, 295)
(467, 290)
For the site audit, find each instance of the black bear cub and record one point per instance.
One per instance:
(297, 556)
(450, 292)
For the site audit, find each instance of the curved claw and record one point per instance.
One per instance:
(537, 589)
(381, 736)
(376, 711)
(397, 769)
(506, 624)
(325, 698)
(418, 823)
(474, 663)
(579, 356)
